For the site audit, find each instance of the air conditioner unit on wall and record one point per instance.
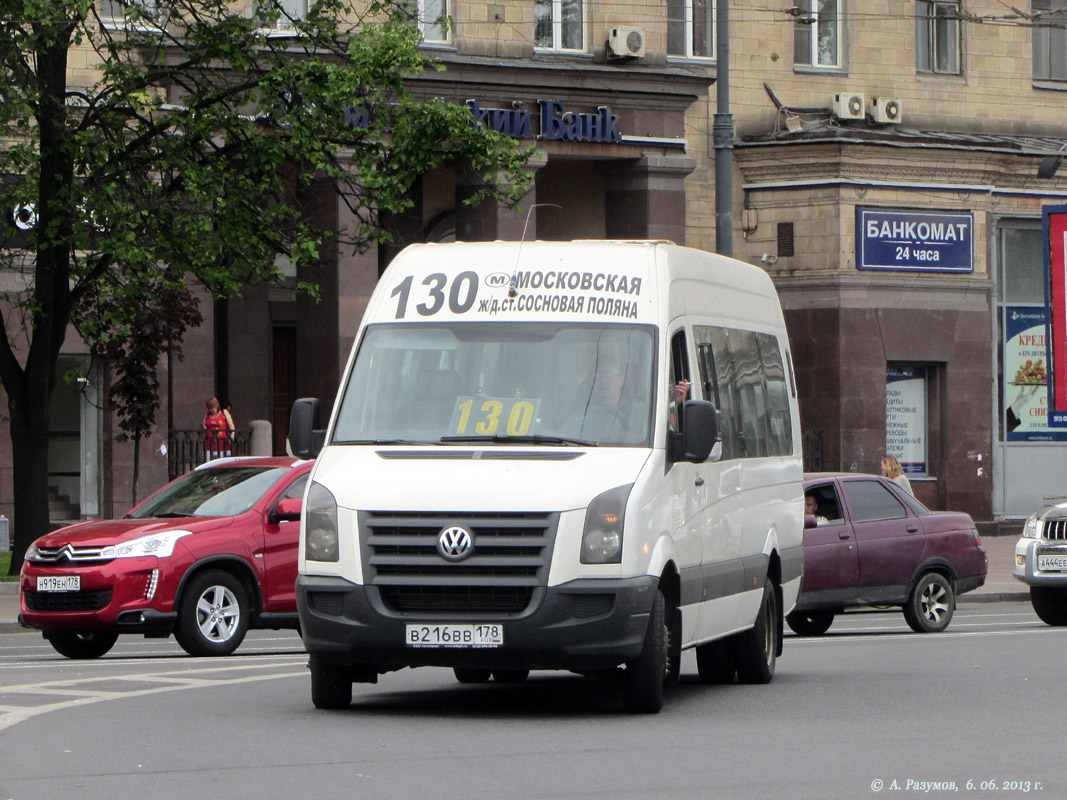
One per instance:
(849, 106)
(626, 43)
(886, 109)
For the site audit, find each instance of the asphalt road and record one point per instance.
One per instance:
(847, 714)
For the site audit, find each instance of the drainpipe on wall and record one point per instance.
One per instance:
(722, 135)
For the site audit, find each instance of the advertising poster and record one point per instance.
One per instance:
(1026, 376)
(905, 417)
(1054, 221)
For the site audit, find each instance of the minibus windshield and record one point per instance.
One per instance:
(501, 383)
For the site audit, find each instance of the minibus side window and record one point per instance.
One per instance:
(780, 441)
(718, 364)
(679, 371)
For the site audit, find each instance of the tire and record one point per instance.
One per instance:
(644, 677)
(717, 661)
(810, 623)
(757, 648)
(471, 674)
(674, 643)
(1050, 604)
(331, 685)
(212, 614)
(82, 645)
(510, 675)
(930, 605)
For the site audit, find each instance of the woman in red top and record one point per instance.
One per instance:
(218, 423)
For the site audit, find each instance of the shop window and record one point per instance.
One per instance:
(559, 25)
(1022, 318)
(906, 417)
(691, 28)
(817, 34)
(937, 37)
(1050, 40)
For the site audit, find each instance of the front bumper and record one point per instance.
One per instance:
(113, 596)
(1027, 551)
(582, 625)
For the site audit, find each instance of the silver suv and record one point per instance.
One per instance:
(1041, 562)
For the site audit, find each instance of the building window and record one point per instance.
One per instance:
(115, 10)
(817, 33)
(1050, 40)
(291, 12)
(559, 25)
(691, 28)
(937, 37)
(434, 21)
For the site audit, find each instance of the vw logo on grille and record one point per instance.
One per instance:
(455, 543)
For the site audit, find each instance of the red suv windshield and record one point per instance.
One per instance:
(214, 492)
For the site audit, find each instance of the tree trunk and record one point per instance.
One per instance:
(29, 449)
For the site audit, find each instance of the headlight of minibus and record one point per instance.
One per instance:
(1032, 528)
(320, 525)
(602, 537)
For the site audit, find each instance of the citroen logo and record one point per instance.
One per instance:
(455, 543)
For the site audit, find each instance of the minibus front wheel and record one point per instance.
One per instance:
(645, 675)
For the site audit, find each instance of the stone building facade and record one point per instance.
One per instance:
(954, 108)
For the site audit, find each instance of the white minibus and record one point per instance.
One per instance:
(576, 456)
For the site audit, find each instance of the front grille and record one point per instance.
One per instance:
(510, 559)
(67, 601)
(429, 600)
(68, 552)
(1056, 530)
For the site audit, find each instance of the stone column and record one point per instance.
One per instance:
(489, 221)
(645, 198)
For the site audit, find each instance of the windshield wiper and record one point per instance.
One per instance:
(526, 439)
(377, 442)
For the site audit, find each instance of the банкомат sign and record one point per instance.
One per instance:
(923, 241)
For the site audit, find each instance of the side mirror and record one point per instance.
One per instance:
(810, 521)
(305, 428)
(288, 510)
(700, 432)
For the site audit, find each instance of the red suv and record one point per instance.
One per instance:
(206, 557)
(868, 542)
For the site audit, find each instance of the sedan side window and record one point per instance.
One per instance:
(870, 501)
(827, 507)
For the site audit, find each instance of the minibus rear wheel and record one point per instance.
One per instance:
(757, 648)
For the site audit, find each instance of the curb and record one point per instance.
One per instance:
(995, 597)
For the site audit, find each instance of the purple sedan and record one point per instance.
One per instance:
(868, 542)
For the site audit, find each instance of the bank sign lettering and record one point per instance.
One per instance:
(914, 241)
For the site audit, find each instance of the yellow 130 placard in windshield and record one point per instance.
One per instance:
(484, 416)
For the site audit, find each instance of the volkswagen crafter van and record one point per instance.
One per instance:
(514, 476)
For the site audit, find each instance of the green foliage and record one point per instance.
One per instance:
(187, 159)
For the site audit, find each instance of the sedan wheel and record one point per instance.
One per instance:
(810, 623)
(930, 606)
(213, 615)
(82, 645)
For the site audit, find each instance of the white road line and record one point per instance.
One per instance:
(11, 716)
